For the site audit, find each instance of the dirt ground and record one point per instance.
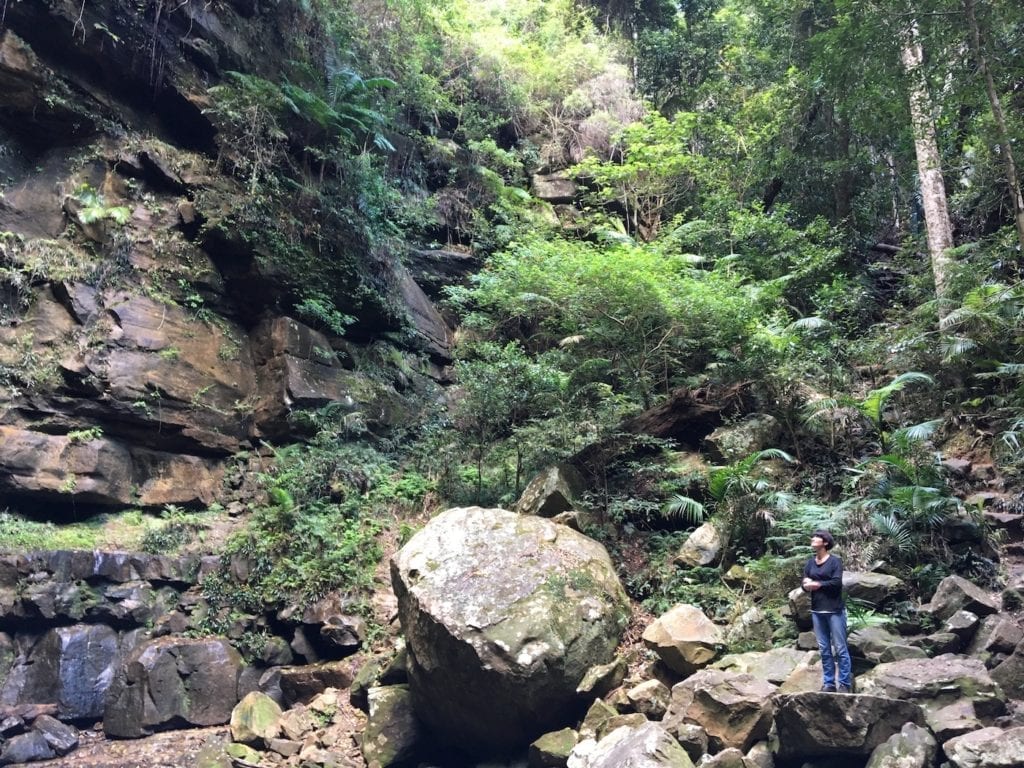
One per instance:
(172, 749)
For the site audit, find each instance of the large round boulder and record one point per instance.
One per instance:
(503, 615)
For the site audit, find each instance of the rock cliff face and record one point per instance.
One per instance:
(146, 329)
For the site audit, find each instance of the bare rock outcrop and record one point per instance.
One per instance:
(171, 681)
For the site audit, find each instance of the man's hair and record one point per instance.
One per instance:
(825, 536)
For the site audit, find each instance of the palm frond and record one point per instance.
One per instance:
(895, 532)
(684, 508)
(956, 346)
(809, 324)
(918, 432)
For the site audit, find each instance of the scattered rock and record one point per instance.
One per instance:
(392, 730)
(603, 678)
(26, 748)
(703, 547)
(554, 490)
(775, 666)
(684, 638)
(302, 684)
(956, 593)
(935, 683)
(552, 750)
(646, 746)
(734, 709)
(61, 737)
(256, 719)
(756, 432)
(986, 748)
(912, 747)
(650, 698)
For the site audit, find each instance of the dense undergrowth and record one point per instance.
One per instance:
(748, 212)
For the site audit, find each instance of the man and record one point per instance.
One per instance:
(823, 578)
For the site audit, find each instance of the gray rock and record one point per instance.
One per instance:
(877, 645)
(996, 635)
(554, 490)
(775, 665)
(937, 682)
(956, 593)
(364, 679)
(503, 615)
(1010, 673)
(759, 756)
(61, 737)
(595, 722)
(900, 653)
(552, 750)
(256, 719)
(684, 638)
(703, 547)
(170, 680)
(646, 746)
(650, 698)
(987, 748)
(284, 747)
(727, 758)
(72, 666)
(936, 644)
(26, 748)
(392, 730)
(396, 670)
(736, 441)
(964, 625)
(734, 709)
(554, 187)
(953, 720)
(912, 747)
(344, 632)
(824, 724)
(302, 684)
(601, 679)
(751, 630)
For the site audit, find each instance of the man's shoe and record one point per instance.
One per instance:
(844, 689)
(830, 689)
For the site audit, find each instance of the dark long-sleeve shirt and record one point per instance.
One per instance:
(828, 599)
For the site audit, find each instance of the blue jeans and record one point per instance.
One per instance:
(830, 631)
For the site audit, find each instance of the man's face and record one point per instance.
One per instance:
(817, 543)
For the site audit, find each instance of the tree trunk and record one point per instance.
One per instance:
(929, 166)
(1005, 149)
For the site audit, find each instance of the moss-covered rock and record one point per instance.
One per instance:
(503, 616)
(256, 719)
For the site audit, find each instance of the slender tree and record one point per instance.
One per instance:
(1005, 145)
(929, 164)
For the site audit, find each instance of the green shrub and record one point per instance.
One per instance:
(177, 529)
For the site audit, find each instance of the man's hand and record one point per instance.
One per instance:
(810, 585)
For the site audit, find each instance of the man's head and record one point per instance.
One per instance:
(826, 538)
